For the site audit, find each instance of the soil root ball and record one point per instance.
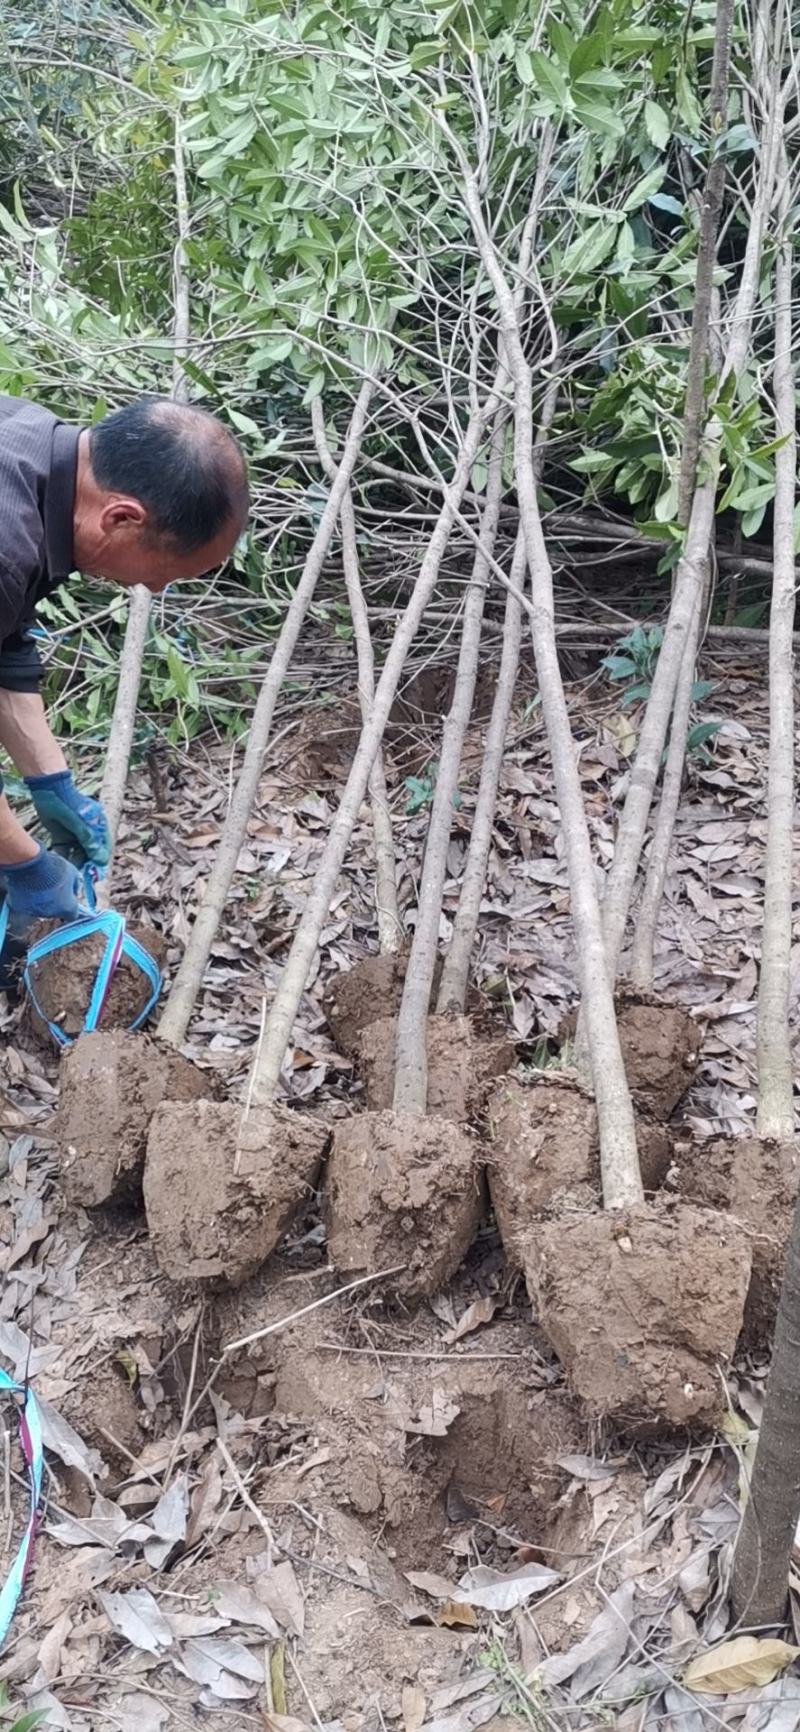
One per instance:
(459, 1066)
(63, 982)
(756, 1182)
(545, 1154)
(661, 1047)
(220, 1190)
(110, 1087)
(641, 1307)
(403, 1190)
(372, 989)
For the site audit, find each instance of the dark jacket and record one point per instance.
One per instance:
(38, 469)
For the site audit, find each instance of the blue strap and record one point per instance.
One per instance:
(118, 943)
(30, 1432)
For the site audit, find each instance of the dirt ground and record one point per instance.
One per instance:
(281, 1506)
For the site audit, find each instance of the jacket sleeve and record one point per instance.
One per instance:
(20, 663)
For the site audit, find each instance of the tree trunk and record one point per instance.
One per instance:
(644, 770)
(455, 974)
(642, 953)
(267, 1066)
(694, 413)
(411, 1056)
(775, 1082)
(175, 1020)
(764, 1548)
(123, 720)
(622, 1185)
(390, 931)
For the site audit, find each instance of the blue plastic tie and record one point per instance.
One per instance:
(118, 943)
(30, 1432)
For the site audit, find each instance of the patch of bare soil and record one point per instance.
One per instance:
(423, 1450)
(63, 983)
(220, 1187)
(756, 1183)
(641, 1307)
(110, 1087)
(545, 1153)
(403, 1193)
(460, 1067)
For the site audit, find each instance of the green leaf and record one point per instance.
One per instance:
(687, 104)
(549, 79)
(602, 78)
(561, 40)
(656, 123)
(524, 65)
(701, 732)
(619, 667)
(425, 53)
(245, 424)
(637, 694)
(645, 188)
(665, 201)
(598, 117)
(590, 249)
(586, 54)
(667, 503)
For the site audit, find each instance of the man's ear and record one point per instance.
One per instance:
(122, 512)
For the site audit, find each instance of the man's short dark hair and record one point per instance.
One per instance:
(179, 462)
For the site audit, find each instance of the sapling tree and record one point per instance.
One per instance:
(390, 930)
(764, 1548)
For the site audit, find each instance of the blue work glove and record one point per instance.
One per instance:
(44, 888)
(76, 825)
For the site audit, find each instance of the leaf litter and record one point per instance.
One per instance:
(177, 1576)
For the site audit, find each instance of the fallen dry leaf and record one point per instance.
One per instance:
(413, 1704)
(427, 1582)
(479, 1312)
(434, 1421)
(455, 1615)
(735, 1665)
(137, 1617)
(495, 1592)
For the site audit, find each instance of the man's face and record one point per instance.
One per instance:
(123, 550)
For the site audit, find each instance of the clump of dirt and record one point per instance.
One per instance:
(220, 1189)
(111, 1084)
(660, 1046)
(459, 1066)
(640, 1306)
(756, 1182)
(546, 1154)
(363, 994)
(63, 982)
(403, 1190)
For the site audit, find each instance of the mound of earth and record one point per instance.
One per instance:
(110, 1086)
(63, 981)
(641, 1306)
(660, 1047)
(363, 994)
(403, 1193)
(756, 1182)
(545, 1154)
(220, 1187)
(459, 1066)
